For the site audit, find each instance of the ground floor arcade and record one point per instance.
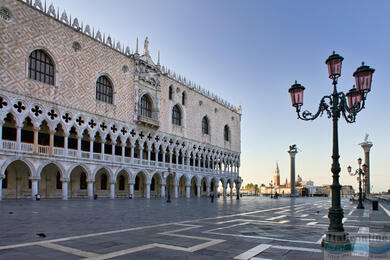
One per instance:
(21, 178)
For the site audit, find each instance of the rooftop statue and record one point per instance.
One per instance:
(146, 47)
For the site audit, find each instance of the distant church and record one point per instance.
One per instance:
(302, 187)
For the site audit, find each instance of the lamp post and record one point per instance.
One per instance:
(360, 172)
(335, 105)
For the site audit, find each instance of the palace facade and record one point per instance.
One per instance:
(81, 114)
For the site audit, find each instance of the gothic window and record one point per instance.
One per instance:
(104, 89)
(5, 180)
(205, 125)
(103, 182)
(136, 185)
(83, 181)
(58, 181)
(146, 106)
(121, 182)
(41, 67)
(176, 115)
(226, 133)
(183, 98)
(170, 93)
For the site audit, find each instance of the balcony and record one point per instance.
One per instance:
(148, 121)
(61, 153)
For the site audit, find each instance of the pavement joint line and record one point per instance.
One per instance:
(278, 217)
(252, 252)
(312, 223)
(260, 258)
(385, 209)
(135, 228)
(298, 248)
(351, 212)
(69, 250)
(366, 213)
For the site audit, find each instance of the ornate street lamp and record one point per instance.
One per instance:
(361, 172)
(336, 105)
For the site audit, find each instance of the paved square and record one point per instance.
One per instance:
(251, 228)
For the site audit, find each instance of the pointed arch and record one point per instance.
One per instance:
(205, 125)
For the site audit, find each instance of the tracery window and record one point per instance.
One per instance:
(146, 106)
(170, 93)
(176, 116)
(104, 89)
(41, 67)
(58, 181)
(103, 182)
(226, 133)
(205, 125)
(83, 181)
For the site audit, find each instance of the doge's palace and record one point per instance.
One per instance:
(83, 115)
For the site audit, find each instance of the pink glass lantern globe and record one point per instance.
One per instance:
(363, 78)
(296, 93)
(334, 62)
(353, 97)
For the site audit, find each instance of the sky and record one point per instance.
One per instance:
(250, 52)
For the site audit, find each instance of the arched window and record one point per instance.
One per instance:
(226, 133)
(103, 182)
(41, 67)
(170, 93)
(152, 184)
(58, 181)
(5, 181)
(146, 106)
(136, 184)
(183, 98)
(121, 182)
(176, 115)
(104, 89)
(83, 181)
(205, 125)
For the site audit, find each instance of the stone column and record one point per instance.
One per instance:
(112, 190)
(147, 190)
(102, 149)
(132, 153)
(238, 187)
(131, 189)
(141, 153)
(79, 145)
(198, 190)
(216, 190)
(292, 153)
(66, 139)
(156, 150)
(18, 137)
(113, 150)
(163, 157)
(177, 158)
(91, 140)
(51, 141)
(36, 131)
(366, 145)
(64, 189)
(193, 162)
(208, 189)
(123, 145)
(231, 190)
(188, 191)
(176, 190)
(90, 189)
(170, 159)
(149, 154)
(34, 187)
(224, 190)
(163, 190)
(212, 165)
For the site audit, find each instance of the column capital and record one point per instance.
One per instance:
(34, 178)
(90, 181)
(65, 180)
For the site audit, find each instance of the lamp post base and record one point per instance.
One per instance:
(336, 242)
(360, 206)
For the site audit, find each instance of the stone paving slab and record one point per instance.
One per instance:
(183, 229)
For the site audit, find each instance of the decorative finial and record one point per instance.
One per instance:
(362, 63)
(296, 82)
(158, 59)
(334, 52)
